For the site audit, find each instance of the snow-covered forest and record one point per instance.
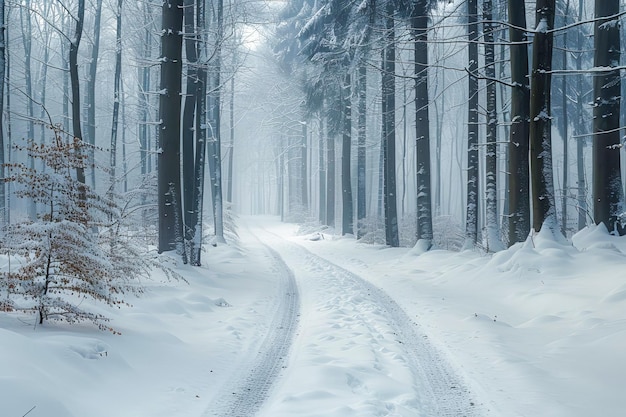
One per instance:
(255, 188)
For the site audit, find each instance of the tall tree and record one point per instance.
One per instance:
(518, 173)
(347, 221)
(361, 210)
(116, 92)
(607, 182)
(492, 238)
(3, 206)
(169, 195)
(419, 27)
(91, 88)
(215, 154)
(25, 14)
(543, 201)
(201, 139)
(471, 221)
(392, 236)
(581, 182)
(189, 117)
(74, 82)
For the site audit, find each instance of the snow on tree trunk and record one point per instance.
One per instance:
(492, 240)
(518, 171)
(3, 206)
(169, 195)
(392, 237)
(607, 182)
(361, 150)
(419, 23)
(471, 219)
(347, 221)
(542, 185)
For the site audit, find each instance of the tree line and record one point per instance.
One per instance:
(529, 72)
(109, 113)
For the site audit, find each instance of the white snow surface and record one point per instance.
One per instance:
(282, 324)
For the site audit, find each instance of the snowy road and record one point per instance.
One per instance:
(243, 395)
(357, 353)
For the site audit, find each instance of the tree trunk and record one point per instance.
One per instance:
(116, 93)
(91, 89)
(492, 238)
(3, 207)
(518, 173)
(76, 126)
(581, 183)
(542, 185)
(28, 80)
(419, 23)
(361, 152)
(215, 153)
(392, 237)
(347, 221)
(201, 140)
(607, 181)
(565, 130)
(304, 169)
(330, 178)
(471, 222)
(322, 174)
(188, 119)
(144, 100)
(169, 195)
(231, 145)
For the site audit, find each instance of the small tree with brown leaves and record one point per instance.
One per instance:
(67, 254)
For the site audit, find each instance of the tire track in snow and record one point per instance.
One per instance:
(441, 391)
(244, 394)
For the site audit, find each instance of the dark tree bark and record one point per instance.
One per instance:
(565, 130)
(581, 182)
(607, 182)
(392, 237)
(542, 185)
(347, 221)
(518, 173)
(201, 139)
(492, 238)
(419, 26)
(471, 222)
(189, 118)
(3, 207)
(169, 195)
(361, 150)
(76, 125)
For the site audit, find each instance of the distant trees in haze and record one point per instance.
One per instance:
(502, 182)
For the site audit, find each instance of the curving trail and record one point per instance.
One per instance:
(246, 392)
(358, 353)
(339, 346)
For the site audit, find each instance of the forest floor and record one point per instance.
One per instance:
(288, 324)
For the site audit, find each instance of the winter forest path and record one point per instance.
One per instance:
(356, 352)
(245, 392)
